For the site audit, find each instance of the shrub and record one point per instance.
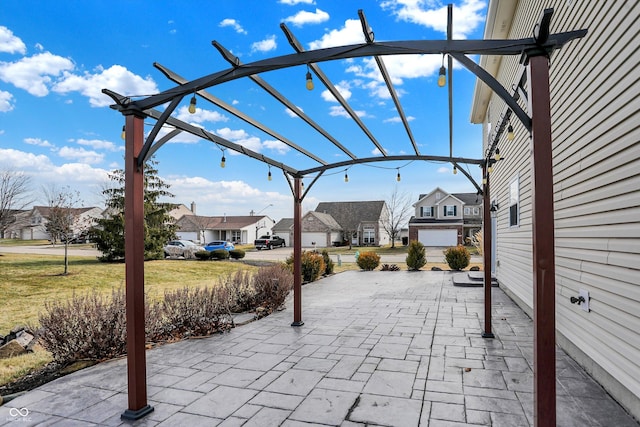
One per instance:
(368, 260)
(387, 267)
(416, 256)
(203, 255)
(272, 285)
(457, 257)
(312, 265)
(220, 254)
(85, 327)
(328, 262)
(477, 242)
(240, 290)
(237, 253)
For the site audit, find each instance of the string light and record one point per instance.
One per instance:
(510, 134)
(497, 156)
(223, 161)
(455, 170)
(490, 169)
(269, 174)
(484, 180)
(192, 104)
(398, 176)
(346, 177)
(309, 83)
(123, 135)
(442, 75)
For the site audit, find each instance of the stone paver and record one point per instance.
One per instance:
(377, 349)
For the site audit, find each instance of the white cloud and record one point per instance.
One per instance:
(116, 78)
(200, 116)
(338, 111)
(228, 22)
(264, 45)
(241, 137)
(22, 160)
(6, 103)
(80, 154)
(235, 102)
(443, 169)
(343, 90)
(303, 17)
(291, 113)
(100, 144)
(275, 145)
(351, 33)
(39, 142)
(34, 73)
(397, 119)
(295, 2)
(466, 17)
(10, 43)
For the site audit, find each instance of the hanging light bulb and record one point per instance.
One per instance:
(442, 75)
(497, 156)
(223, 162)
(484, 181)
(192, 104)
(269, 175)
(123, 135)
(398, 176)
(510, 134)
(309, 79)
(346, 177)
(455, 170)
(490, 169)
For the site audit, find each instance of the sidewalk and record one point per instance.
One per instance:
(377, 348)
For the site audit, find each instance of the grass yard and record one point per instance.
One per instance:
(28, 281)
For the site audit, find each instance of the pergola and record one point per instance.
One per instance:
(531, 107)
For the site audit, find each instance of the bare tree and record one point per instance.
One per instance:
(399, 208)
(63, 219)
(15, 195)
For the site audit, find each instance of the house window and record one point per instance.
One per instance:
(426, 211)
(476, 211)
(438, 195)
(514, 202)
(449, 210)
(467, 211)
(369, 236)
(235, 236)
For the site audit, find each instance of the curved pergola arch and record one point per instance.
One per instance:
(534, 51)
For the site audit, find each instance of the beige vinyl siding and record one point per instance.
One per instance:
(595, 103)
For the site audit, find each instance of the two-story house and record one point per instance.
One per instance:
(444, 219)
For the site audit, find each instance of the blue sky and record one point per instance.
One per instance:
(56, 125)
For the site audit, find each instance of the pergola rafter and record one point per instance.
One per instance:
(535, 51)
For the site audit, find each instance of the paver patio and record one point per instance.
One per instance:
(377, 348)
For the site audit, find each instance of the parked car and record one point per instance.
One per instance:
(269, 242)
(219, 244)
(181, 248)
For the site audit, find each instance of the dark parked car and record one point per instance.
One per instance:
(219, 244)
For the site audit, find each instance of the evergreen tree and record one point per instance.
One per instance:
(159, 226)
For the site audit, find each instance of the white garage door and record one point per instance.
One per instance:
(441, 238)
(308, 240)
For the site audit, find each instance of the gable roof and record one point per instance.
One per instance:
(351, 214)
(326, 219)
(468, 198)
(283, 224)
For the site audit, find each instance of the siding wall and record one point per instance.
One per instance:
(595, 83)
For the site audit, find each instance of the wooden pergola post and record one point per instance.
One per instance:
(544, 272)
(297, 252)
(134, 274)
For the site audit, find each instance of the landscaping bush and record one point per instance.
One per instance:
(92, 326)
(416, 256)
(387, 267)
(203, 255)
(240, 290)
(328, 262)
(368, 260)
(237, 253)
(312, 265)
(272, 284)
(457, 257)
(220, 254)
